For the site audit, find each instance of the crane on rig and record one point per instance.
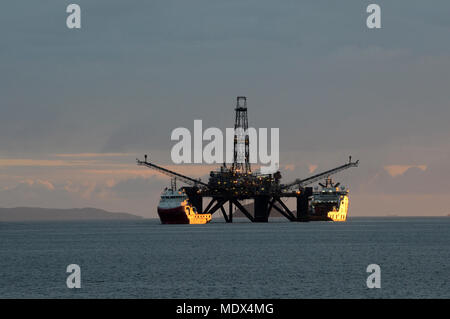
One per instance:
(186, 179)
(299, 183)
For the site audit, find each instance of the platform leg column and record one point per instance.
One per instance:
(261, 208)
(303, 205)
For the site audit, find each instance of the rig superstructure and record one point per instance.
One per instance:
(232, 184)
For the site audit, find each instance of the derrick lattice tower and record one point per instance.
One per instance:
(241, 146)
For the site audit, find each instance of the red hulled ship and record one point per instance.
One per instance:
(174, 208)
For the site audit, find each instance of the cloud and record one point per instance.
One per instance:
(28, 162)
(37, 192)
(408, 179)
(94, 155)
(33, 162)
(46, 184)
(398, 204)
(312, 168)
(71, 187)
(36, 184)
(397, 170)
(138, 187)
(289, 167)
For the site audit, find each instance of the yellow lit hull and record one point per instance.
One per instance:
(341, 214)
(196, 218)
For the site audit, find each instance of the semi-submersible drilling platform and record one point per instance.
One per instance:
(233, 184)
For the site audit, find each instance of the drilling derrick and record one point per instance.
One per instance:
(241, 146)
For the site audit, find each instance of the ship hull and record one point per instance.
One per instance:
(316, 218)
(178, 215)
(175, 215)
(328, 211)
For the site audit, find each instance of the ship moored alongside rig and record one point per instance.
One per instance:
(174, 208)
(330, 203)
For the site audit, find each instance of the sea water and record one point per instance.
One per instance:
(144, 259)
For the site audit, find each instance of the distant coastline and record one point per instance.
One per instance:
(55, 214)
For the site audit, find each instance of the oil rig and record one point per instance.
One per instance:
(236, 183)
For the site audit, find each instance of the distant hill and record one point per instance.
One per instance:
(53, 214)
(249, 207)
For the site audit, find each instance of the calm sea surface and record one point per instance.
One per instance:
(143, 259)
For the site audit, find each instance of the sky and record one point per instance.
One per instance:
(78, 106)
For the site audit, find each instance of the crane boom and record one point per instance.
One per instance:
(317, 177)
(165, 171)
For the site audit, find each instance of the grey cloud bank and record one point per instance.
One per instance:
(136, 70)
